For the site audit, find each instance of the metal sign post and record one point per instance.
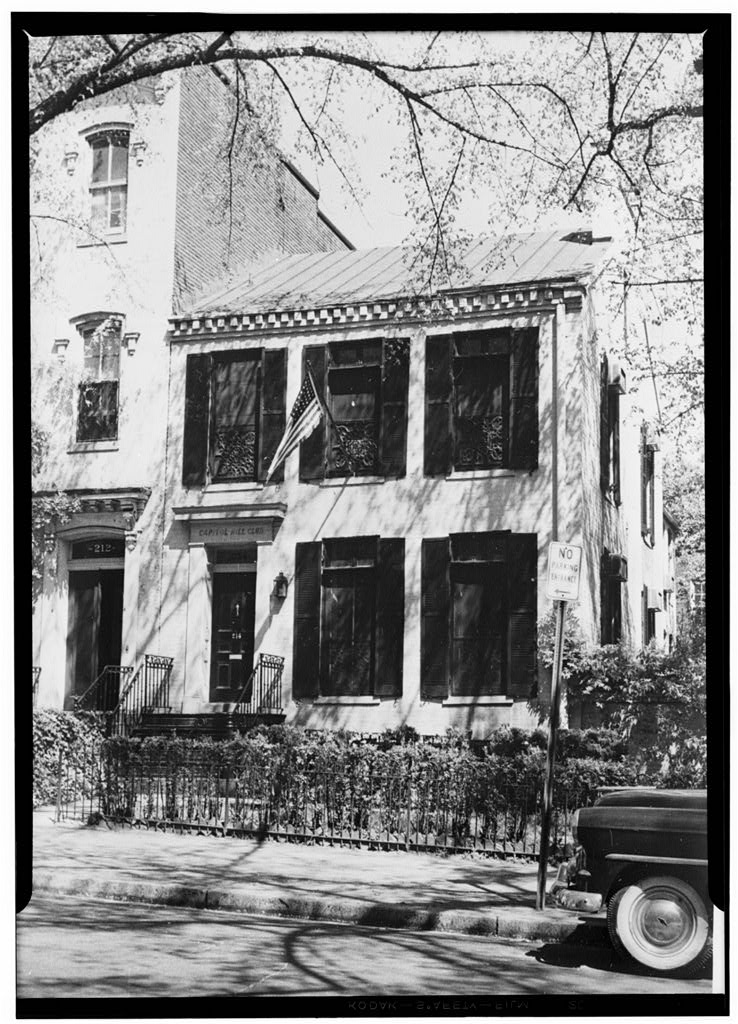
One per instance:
(564, 572)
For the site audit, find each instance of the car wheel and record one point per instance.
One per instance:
(661, 922)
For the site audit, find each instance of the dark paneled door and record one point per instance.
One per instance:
(95, 624)
(233, 633)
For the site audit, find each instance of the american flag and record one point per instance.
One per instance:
(306, 414)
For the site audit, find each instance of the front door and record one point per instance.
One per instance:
(233, 633)
(95, 625)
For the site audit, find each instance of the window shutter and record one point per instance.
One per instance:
(273, 417)
(522, 597)
(197, 417)
(615, 412)
(524, 399)
(437, 406)
(396, 362)
(435, 619)
(390, 618)
(306, 656)
(604, 610)
(604, 429)
(644, 481)
(312, 449)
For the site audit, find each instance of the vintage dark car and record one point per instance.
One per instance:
(642, 854)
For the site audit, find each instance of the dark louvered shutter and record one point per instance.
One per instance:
(273, 386)
(524, 399)
(615, 421)
(604, 429)
(196, 419)
(437, 406)
(644, 481)
(604, 598)
(306, 650)
(522, 636)
(390, 618)
(396, 362)
(435, 601)
(312, 449)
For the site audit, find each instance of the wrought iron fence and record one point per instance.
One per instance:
(421, 808)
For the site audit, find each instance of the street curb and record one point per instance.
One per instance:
(512, 923)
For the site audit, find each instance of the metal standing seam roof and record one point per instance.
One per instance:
(322, 279)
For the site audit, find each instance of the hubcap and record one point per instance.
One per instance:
(664, 920)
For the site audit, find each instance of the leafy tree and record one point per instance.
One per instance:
(485, 121)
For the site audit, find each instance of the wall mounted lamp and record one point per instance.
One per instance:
(70, 159)
(280, 586)
(59, 348)
(138, 148)
(131, 341)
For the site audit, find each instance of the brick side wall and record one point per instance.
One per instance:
(227, 219)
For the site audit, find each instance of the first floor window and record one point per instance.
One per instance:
(348, 599)
(614, 572)
(479, 610)
(349, 617)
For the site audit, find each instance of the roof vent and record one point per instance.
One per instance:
(580, 237)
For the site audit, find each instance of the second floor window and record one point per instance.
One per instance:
(234, 415)
(109, 182)
(481, 401)
(97, 411)
(647, 488)
(611, 385)
(364, 385)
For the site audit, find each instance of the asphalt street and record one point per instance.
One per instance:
(70, 947)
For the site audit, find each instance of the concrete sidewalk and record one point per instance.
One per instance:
(419, 891)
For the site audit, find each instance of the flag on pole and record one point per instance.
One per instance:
(306, 414)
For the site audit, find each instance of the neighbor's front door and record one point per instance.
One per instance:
(233, 633)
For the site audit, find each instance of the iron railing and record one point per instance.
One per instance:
(148, 688)
(420, 808)
(262, 693)
(36, 677)
(103, 693)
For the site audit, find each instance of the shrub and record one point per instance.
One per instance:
(77, 736)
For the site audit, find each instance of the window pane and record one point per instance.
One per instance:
(100, 152)
(348, 623)
(481, 413)
(110, 353)
(353, 397)
(92, 354)
(99, 210)
(479, 629)
(235, 401)
(118, 207)
(119, 161)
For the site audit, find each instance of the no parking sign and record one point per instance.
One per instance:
(564, 571)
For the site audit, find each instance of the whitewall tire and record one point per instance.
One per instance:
(662, 922)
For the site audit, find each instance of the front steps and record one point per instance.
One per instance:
(219, 725)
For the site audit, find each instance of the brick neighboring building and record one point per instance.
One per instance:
(132, 220)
